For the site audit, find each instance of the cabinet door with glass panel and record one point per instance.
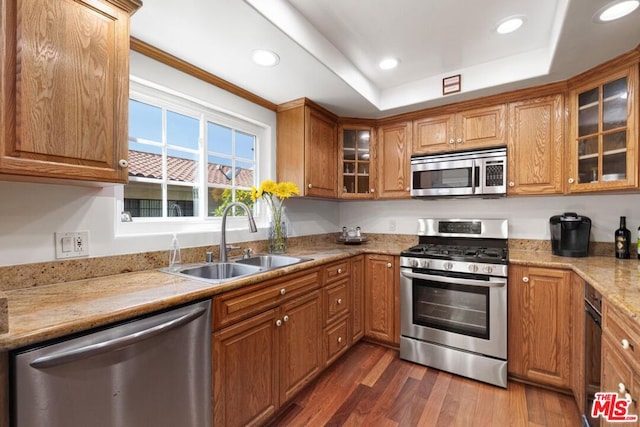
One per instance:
(603, 144)
(356, 162)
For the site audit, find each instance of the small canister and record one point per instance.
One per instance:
(344, 231)
(358, 232)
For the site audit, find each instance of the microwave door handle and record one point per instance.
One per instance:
(457, 281)
(473, 177)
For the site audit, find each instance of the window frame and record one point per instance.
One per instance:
(157, 95)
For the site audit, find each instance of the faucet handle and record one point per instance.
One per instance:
(209, 257)
(246, 253)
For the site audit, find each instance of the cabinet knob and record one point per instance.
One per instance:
(626, 344)
(123, 163)
(339, 271)
(571, 180)
(407, 189)
(622, 388)
(373, 190)
(278, 323)
(339, 340)
(310, 185)
(283, 291)
(285, 318)
(451, 141)
(459, 140)
(512, 184)
(389, 265)
(339, 301)
(525, 279)
(628, 397)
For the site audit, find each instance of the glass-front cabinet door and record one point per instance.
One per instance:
(603, 145)
(357, 168)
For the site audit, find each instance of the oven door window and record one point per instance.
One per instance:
(461, 309)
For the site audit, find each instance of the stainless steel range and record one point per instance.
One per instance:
(453, 298)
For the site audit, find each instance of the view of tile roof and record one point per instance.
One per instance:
(149, 165)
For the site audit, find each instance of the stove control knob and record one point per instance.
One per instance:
(414, 263)
(488, 269)
(424, 263)
(448, 265)
(473, 268)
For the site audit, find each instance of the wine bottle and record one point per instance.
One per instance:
(622, 237)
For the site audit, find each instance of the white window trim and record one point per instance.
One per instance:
(156, 94)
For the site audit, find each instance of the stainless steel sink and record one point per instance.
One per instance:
(269, 261)
(215, 272)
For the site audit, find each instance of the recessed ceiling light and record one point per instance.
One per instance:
(265, 58)
(388, 63)
(509, 25)
(616, 10)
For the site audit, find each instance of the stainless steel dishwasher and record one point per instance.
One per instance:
(151, 371)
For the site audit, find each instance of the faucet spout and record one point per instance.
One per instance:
(223, 232)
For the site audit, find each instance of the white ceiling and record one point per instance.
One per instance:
(329, 50)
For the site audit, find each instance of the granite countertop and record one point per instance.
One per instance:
(40, 313)
(618, 280)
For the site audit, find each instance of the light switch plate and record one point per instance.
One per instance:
(72, 244)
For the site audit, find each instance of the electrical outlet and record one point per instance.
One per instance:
(72, 244)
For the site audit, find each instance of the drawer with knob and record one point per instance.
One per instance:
(336, 300)
(336, 271)
(624, 334)
(336, 340)
(242, 303)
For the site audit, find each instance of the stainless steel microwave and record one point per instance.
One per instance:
(467, 174)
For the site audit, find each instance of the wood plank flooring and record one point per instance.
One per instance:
(371, 386)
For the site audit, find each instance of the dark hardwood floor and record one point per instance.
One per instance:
(371, 386)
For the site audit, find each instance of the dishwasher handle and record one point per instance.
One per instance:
(115, 343)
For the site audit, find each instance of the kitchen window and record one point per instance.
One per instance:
(187, 160)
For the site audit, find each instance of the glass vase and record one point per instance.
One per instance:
(278, 237)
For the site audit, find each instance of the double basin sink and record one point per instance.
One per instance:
(219, 272)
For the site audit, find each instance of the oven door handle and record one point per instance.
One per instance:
(455, 280)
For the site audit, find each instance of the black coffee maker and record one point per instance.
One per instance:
(570, 234)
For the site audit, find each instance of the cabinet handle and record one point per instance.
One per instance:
(622, 388)
(283, 291)
(339, 340)
(285, 318)
(339, 301)
(339, 271)
(512, 184)
(571, 180)
(459, 140)
(451, 141)
(278, 323)
(626, 344)
(310, 185)
(123, 163)
(525, 279)
(389, 265)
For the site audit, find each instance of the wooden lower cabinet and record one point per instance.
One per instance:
(578, 341)
(539, 348)
(382, 314)
(261, 362)
(357, 298)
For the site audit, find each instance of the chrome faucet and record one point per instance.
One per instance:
(223, 235)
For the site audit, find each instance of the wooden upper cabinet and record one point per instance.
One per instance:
(64, 78)
(603, 142)
(393, 158)
(307, 148)
(469, 129)
(356, 162)
(535, 146)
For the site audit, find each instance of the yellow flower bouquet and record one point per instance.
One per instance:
(275, 194)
